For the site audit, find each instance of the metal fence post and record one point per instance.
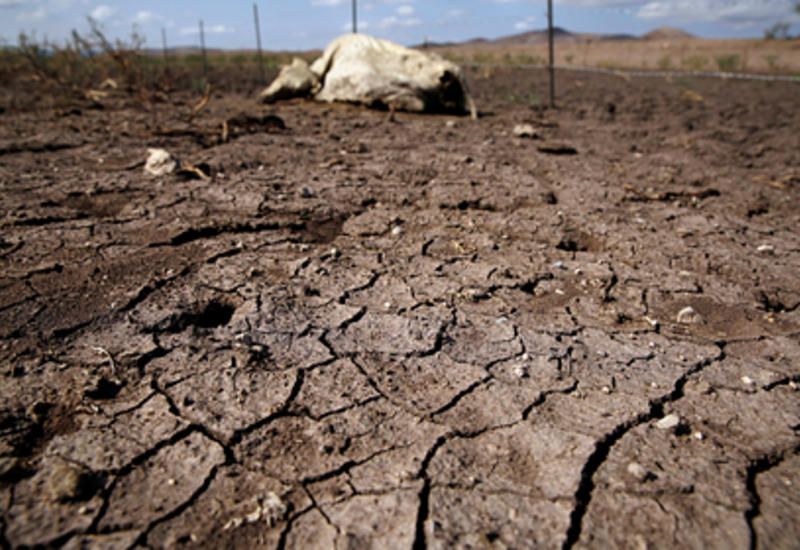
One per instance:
(355, 25)
(203, 50)
(552, 57)
(258, 43)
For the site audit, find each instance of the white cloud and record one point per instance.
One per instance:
(214, 29)
(740, 13)
(525, 24)
(393, 22)
(33, 16)
(144, 17)
(102, 12)
(405, 10)
(327, 2)
(10, 3)
(456, 13)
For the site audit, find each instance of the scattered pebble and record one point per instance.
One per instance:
(668, 422)
(451, 124)
(557, 265)
(602, 353)
(606, 390)
(397, 231)
(67, 482)
(747, 381)
(501, 319)
(652, 322)
(525, 131)
(269, 508)
(766, 249)
(638, 471)
(698, 436)
(160, 162)
(688, 316)
(387, 305)
(521, 371)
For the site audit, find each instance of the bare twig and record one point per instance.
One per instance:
(671, 195)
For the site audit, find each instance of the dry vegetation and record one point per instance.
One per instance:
(696, 54)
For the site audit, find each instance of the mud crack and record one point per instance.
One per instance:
(754, 469)
(583, 495)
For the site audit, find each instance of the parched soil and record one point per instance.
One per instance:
(375, 330)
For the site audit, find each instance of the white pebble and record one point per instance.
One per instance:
(766, 249)
(698, 436)
(397, 231)
(688, 316)
(747, 381)
(387, 305)
(638, 471)
(668, 422)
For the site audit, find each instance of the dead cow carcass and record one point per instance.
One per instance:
(361, 69)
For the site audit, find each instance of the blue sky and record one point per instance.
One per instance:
(305, 24)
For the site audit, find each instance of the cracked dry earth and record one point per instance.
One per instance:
(423, 332)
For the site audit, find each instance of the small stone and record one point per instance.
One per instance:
(67, 482)
(668, 422)
(101, 387)
(525, 131)
(606, 390)
(698, 436)
(638, 471)
(747, 381)
(521, 371)
(451, 124)
(557, 265)
(688, 316)
(397, 231)
(160, 162)
(766, 249)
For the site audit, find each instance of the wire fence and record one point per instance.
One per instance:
(650, 74)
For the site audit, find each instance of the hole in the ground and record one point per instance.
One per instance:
(208, 315)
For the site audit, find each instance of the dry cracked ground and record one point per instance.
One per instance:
(367, 330)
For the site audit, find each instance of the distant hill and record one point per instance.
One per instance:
(538, 37)
(666, 33)
(564, 36)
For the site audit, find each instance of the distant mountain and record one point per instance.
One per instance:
(564, 36)
(538, 37)
(667, 33)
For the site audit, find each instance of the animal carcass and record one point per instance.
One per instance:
(357, 68)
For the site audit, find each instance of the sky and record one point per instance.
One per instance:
(307, 24)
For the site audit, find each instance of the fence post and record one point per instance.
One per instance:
(258, 42)
(164, 43)
(552, 57)
(355, 25)
(203, 50)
